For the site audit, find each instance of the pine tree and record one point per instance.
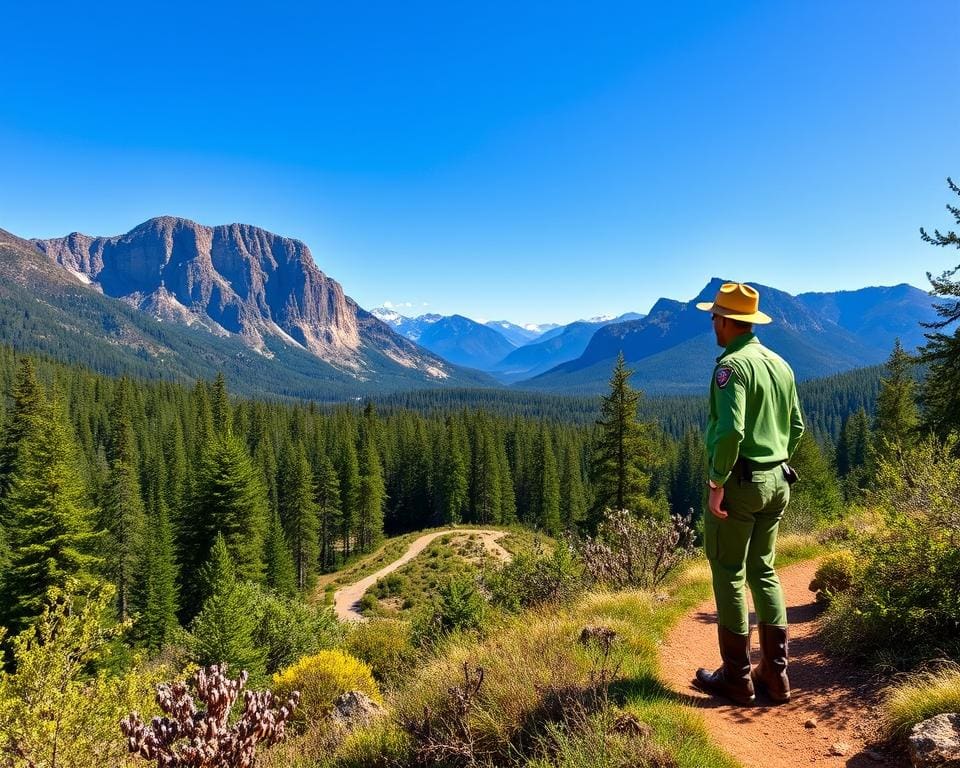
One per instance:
(298, 512)
(484, 476)
(123, 514)
(326, 493)
(895, 421)
(818, 490)
(281, 573)
(230, 501)
(451, 495)
(547, 512)
(49, 522)
(159, 622)
(372, 490)
(349, 476)
(623, 449)
(688, 486)
(940, 390)
(220, 407)
(24, 422)
(573, 501)
(223, 631)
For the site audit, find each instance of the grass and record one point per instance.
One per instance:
(533, 663)
(922, 695)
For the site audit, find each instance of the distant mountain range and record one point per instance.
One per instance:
(508, 351)
(176, 298)
(181, 298)
(673, 349)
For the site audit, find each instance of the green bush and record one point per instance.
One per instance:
(321, 678)
(386, 645)
(904, 602)
(58, 703)
(834, 576)
(458, 607)
(529, 580)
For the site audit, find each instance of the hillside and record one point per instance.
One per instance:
(289, 332)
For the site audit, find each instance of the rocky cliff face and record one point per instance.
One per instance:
(236, 279)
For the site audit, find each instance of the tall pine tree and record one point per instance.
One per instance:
(298, 512)
(623, 449)
(940, 391)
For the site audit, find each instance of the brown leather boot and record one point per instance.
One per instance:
(771, 672)
(732, 679)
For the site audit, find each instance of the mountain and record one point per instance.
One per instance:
(877, 314)
(409, 327)
(520, 334)
(673, 349)
(465, 342)
(172, 297)
(554, 347)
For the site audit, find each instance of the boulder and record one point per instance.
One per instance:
(936, 742)
(354, 708)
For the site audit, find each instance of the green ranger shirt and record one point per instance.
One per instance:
(754, 410)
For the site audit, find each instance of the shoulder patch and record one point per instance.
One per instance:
(723, 375)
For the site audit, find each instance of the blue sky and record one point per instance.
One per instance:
(530, 161)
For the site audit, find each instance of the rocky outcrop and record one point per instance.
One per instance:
(936, 742)
(236, 279)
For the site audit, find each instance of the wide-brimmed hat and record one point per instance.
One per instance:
(738, 301)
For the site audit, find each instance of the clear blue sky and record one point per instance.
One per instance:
(529, 161)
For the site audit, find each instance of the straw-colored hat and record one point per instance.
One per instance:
(738, 301)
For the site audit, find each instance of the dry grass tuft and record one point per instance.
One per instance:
(922, 695)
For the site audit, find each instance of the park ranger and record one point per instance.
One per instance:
(754, 427)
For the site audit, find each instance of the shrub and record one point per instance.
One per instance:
(530, 579)
(206, 736)
(922, 695)
(904, 603)
(458, 607)
(321, 678)
(631, 551)
(60, 707)
(834, 575)
(288, 629)
(386, 645)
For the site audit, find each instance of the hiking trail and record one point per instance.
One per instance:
(834, 706)
(346, 599)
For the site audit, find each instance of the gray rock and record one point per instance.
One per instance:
(936, 742)
(355, 708)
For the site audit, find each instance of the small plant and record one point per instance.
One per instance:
(207, 739)
(834, 576)
(449, 738)
(321, 678)
(922, 695)
(631, 551)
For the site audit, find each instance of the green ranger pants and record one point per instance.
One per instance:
(742, 548)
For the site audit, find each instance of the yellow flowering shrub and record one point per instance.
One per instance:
(321, 678)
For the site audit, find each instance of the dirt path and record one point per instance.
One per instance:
(842, 701)
(346, 599)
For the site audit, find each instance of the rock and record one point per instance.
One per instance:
(811, 723)
(935, 742)
(840, 748)
(354, 708)
(875, 756)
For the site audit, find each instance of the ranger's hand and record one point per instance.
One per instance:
(714, 502)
